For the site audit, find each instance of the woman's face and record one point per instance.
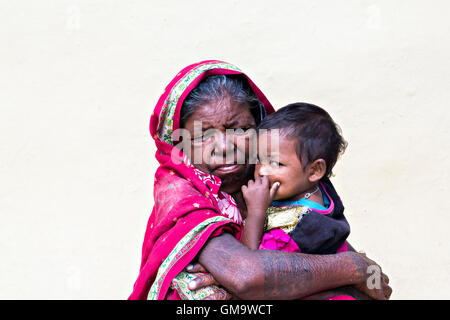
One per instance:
(216, 148)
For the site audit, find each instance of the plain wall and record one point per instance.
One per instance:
(79, 80)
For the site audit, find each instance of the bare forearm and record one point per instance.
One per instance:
(267, 274)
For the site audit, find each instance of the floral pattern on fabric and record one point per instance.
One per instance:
(180, 284)
(182, 247)
(285, 218)
(165, 128)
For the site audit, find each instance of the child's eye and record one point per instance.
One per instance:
(275, 164)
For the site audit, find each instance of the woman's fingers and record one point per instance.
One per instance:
(385, 278)
(195, 267)
(201, 281)
(387, 290)
(219, 294)
(375, 284)
(204, 280)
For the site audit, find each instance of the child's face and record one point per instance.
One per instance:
(282, 165)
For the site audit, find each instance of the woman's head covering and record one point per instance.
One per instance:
(188, 206)
(165, 118)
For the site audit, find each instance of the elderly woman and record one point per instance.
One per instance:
(199, 207)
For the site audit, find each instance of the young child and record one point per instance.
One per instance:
(292, 205)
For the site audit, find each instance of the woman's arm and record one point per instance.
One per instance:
(267, 274)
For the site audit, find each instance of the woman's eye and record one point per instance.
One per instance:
(240, 131)
(263, 160)
(202, 138)
(197, 139)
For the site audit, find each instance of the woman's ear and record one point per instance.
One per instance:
(316, 170)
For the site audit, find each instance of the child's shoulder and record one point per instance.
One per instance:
(332, 194)
(284, 217)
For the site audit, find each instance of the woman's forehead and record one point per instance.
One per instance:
(226, 113)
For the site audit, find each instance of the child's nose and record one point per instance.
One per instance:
(265, 170)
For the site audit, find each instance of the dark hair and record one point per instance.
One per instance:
(317, 135)
(216, 88)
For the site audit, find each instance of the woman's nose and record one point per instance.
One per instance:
(223, 145)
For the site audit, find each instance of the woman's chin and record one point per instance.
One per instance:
(233, 177)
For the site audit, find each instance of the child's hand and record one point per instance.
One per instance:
(258, 195)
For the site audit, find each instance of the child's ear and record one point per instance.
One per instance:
(317, 170)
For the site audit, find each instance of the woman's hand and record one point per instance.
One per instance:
(207, 280)
(376, 284)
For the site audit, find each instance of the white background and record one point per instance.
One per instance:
(79, 80)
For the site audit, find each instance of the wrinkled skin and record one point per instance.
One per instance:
(212, 145)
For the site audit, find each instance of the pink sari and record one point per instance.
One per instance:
(188, 207)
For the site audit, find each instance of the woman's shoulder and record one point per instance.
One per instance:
(175, 195)
(169, 181)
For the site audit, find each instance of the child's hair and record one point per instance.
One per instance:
(317, 135)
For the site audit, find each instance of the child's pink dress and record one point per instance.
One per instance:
(305, 226)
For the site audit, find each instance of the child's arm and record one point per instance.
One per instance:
(258, 197)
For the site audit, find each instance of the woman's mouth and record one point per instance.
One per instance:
(227, 168)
